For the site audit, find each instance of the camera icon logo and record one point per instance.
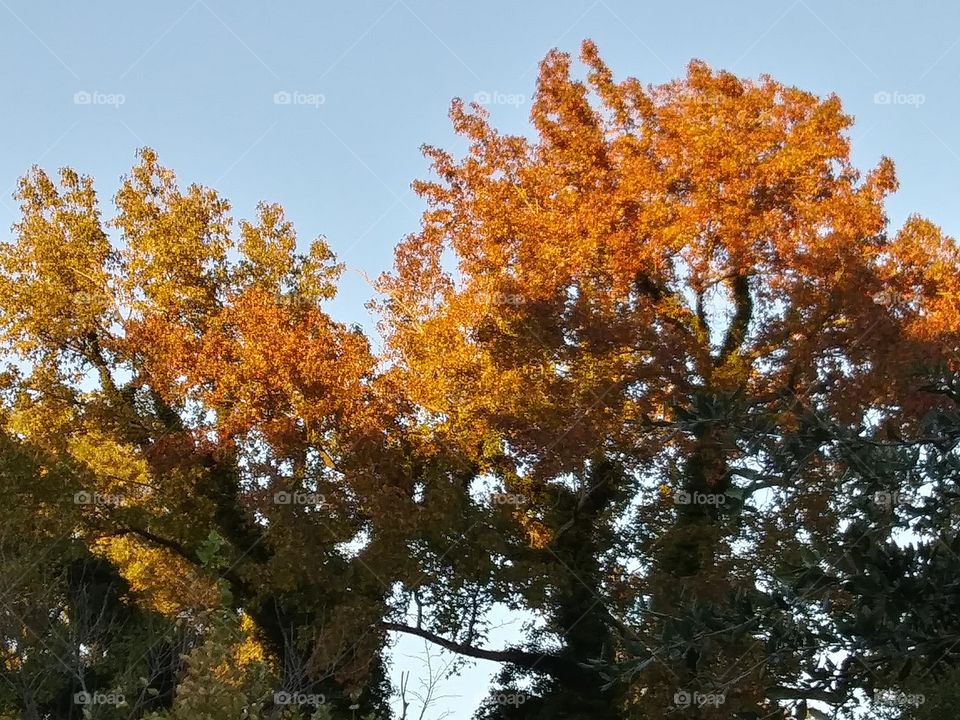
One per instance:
(888, 498)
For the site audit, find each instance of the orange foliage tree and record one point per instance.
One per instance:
(660, 325)
(650, 374)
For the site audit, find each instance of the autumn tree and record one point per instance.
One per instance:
(658, 376)
(672, 329)
(206, 421)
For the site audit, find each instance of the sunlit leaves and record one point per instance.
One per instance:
(55, 290)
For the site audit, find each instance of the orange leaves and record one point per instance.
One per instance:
(708, 231)
(537, 535)
(262, 364)
(268, 366)
(920, 271)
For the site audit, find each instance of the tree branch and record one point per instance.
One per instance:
(550, 664)
(743, 313)
(171, 545)
(831, 697)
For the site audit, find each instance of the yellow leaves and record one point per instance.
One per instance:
(270, 260)
(247, 336)
(327, 460)
(175, 243)
(54, 279)
(665, 490)
(34, 421)
(243, 675)
(46, 421)
(249, 650)
(733, 374)
(268, 247)
(537, 534)
(317, 273)
(122, 471)
(220, 376)
(160, 580)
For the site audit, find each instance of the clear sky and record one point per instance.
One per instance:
(86, 84)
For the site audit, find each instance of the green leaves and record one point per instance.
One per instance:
(212, 551)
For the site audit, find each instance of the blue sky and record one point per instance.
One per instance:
(86, 84)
